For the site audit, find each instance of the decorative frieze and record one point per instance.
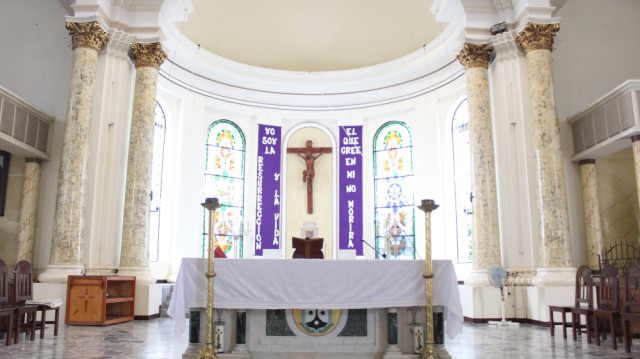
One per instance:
(87, 34)
(537, 36)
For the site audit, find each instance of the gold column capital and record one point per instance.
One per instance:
(537, 36)
(473, 55)
(148, 55)
(87, 34)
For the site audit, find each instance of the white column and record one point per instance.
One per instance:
(555, 265)
(514, 155)
(67, 248)
(109, 138)
(635, 140)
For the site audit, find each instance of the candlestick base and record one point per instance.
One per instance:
(208, 352)
(430, 351)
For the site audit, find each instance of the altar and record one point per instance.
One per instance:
(356, 299)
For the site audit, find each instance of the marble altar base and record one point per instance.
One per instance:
(359, 334)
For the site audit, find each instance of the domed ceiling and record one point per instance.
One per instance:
(311, 35)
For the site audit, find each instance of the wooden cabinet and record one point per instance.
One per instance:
(100, 300)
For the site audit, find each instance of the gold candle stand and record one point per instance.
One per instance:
(208, 351)
(429, 351)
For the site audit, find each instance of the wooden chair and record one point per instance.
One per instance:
(583, 302)
(6, 310)
(630, 314)
(42, 309)
(608, 305)
(565, 310)
(23, 291)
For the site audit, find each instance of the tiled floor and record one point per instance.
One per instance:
(529, 341)
(155, 339)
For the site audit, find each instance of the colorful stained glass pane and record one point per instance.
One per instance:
(394, 232)
(394, 135)
(394, 221)
(226, 134)
(393, 162)
(393, 193)
(224, 179)
(224, 161)
(227, 190)
(228, 230)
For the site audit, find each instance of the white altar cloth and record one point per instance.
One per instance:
(315, 283)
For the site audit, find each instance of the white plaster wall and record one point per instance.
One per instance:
(618, 199)
(10, 221)
(295, 207)
(108, 156)
(36, 65)
(595, 51)
(513, 150)
(428, 116)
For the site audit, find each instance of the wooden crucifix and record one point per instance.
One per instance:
(309, 154)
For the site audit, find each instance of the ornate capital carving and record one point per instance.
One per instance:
(475, 55)
(87, 34)
(148, 55)
(537, 36)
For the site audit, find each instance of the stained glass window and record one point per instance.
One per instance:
(393, 196)
(462, 181)
(224, 179)
(156, 182)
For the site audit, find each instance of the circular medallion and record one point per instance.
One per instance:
(394, 191)
(316, 322)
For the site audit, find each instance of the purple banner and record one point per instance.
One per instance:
(268, 189)
(350, 195)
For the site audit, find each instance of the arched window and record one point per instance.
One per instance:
(462, 181)
(224, 179)
(393, 198)
(156, 182)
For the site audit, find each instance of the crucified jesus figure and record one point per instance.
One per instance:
(309, 154)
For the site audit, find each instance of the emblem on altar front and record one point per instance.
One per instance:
(316, 322)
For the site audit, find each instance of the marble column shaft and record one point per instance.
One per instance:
(68, 226)
(593, 228)
(555, 242)
(486, 234)
(28, 210)
(135, 242)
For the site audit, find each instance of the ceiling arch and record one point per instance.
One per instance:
(311, 35)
